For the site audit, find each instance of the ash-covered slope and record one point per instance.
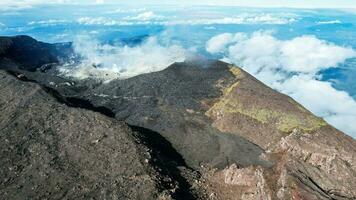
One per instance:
(51, 151)
(173, 102)
(246, 140)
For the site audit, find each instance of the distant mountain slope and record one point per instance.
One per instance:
(30, 54)
(243, 139)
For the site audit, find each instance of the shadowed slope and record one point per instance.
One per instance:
(29, 54)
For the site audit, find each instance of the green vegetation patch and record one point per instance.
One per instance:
(283, 121)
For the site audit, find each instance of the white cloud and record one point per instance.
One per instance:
(329, 22)
(210, 28)
(15, 7)
(250, 3)
(27, 3)
(292, 67)
(151, 18)
(48, 22)
(146, 16)
(309, 54)
(122, 61)
(101, 21)
(127, 10)
(104, 21)
(244, 18)
(218, 43)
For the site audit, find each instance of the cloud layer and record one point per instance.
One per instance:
(146, 16)
(250, 3)
(107, 62)
(292, 67)
(152, 18)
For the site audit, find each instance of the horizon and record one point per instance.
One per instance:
(343, 4)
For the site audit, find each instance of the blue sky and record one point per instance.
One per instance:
(253, 3)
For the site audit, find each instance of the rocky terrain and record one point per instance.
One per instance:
(200, 129)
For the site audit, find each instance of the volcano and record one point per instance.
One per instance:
(199, 129)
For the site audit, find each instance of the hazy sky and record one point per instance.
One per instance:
(253, 3)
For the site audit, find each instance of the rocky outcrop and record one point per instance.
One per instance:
(251, 179)
(312, 159)
(329, 158)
